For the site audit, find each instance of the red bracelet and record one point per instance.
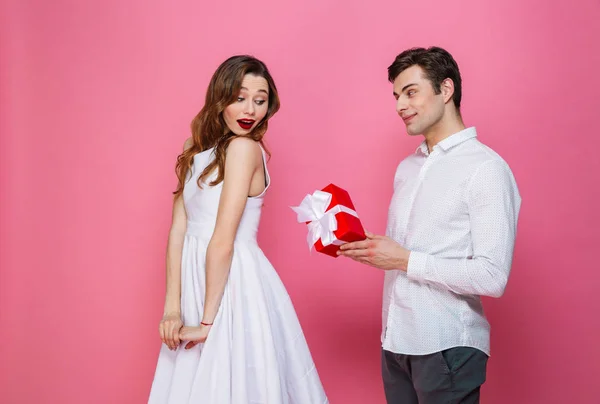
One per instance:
(203, 323)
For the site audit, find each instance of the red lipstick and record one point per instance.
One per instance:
(245, 124)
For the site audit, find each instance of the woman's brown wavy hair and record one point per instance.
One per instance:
(209, 128)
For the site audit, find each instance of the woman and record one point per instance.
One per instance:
(240, 338)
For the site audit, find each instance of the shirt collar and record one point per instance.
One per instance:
(450, 141)
(422, 148)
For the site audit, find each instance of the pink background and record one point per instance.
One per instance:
(96, 99)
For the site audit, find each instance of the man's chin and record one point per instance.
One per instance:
(412, 132)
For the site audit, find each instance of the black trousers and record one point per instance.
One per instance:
(453, 376)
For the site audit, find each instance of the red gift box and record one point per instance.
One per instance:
(349, 227)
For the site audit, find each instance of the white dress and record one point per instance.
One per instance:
(256, 351)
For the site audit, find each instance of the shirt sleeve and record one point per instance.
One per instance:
(494, 203)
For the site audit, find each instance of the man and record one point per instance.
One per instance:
(450, 236)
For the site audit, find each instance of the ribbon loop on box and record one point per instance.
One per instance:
(321, 222)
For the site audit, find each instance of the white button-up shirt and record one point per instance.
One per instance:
(456, 210)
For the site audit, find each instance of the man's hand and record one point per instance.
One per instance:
(377, 251)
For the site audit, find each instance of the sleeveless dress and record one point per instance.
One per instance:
(256, 351)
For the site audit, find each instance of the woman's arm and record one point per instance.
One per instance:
(244, 158)
(171, 321)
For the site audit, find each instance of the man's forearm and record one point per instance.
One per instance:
(477, 276)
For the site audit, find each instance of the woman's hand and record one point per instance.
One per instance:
(169, 329)
(195, 335)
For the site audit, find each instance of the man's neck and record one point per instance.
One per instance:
(446, 127)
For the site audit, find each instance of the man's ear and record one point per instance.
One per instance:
(447, 89)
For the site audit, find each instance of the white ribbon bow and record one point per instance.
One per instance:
(322, 222)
